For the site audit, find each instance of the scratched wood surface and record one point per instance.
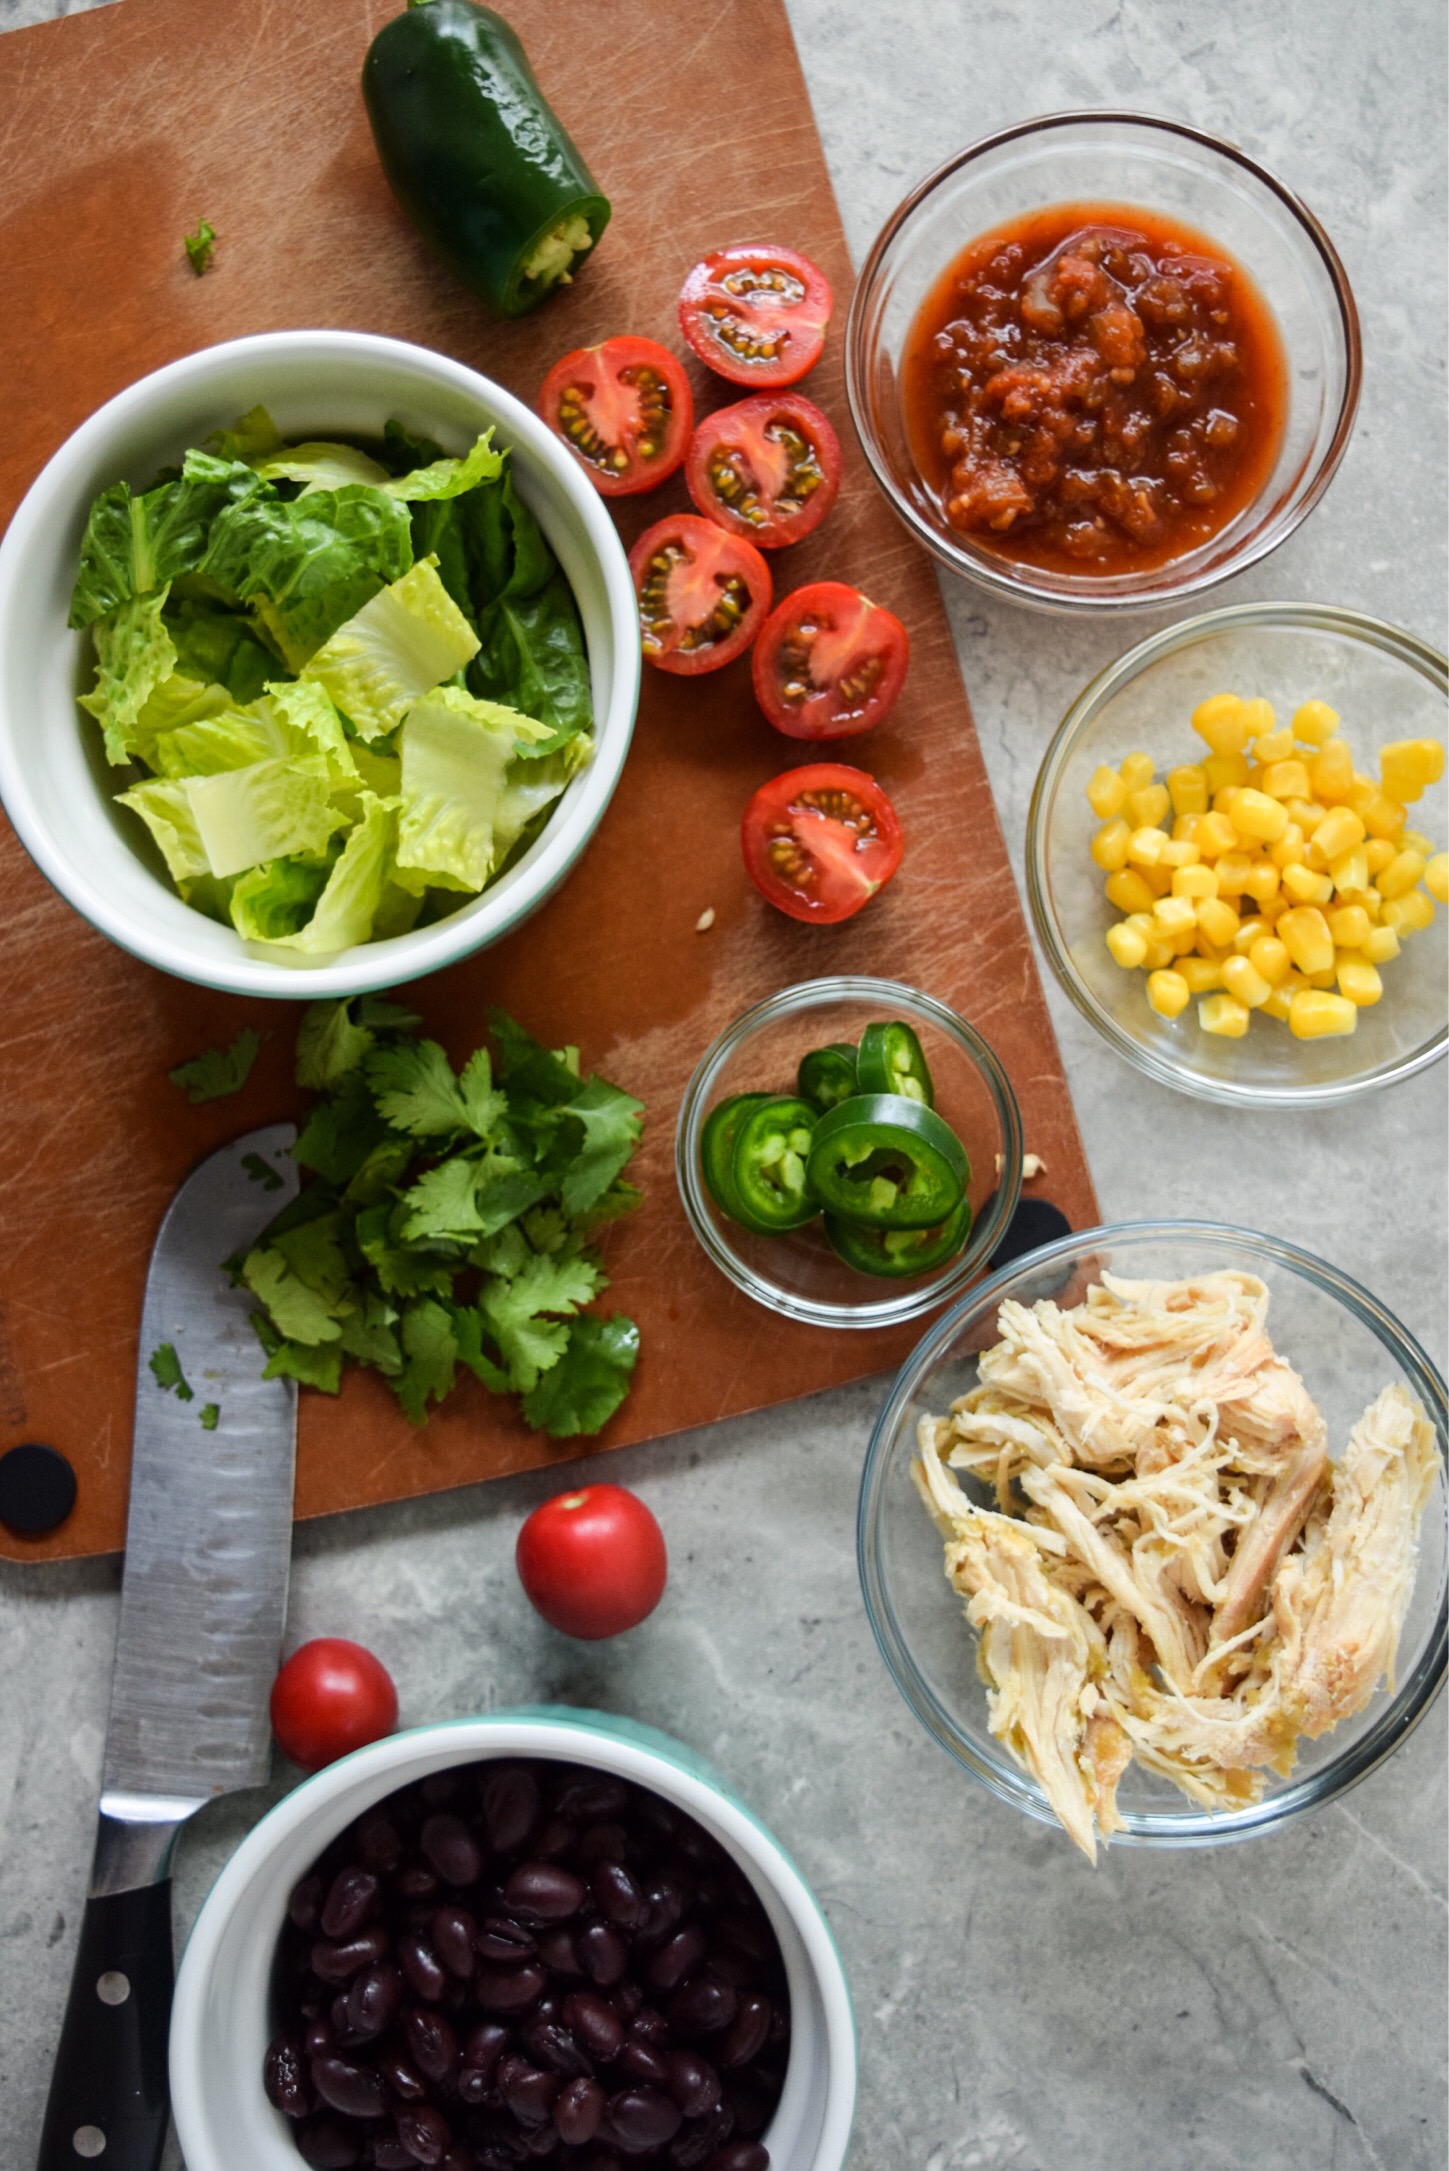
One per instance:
(117, 131)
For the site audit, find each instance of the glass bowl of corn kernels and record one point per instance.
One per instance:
(1236, 855)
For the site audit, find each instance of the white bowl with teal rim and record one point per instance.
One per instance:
(53, 776)
(220, 2024)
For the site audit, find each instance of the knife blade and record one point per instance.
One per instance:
(203, 1607)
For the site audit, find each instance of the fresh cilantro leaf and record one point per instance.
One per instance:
(514, 1311)
(220, 1071)
(531, 1074)
(431, 1349)
(400, 1271)
(260, 1172)
(443, 1202)
(329, 1045)
(415, 1090)
(581, 1392)
(367, 1335)
(468, 1333)
(296, 1311)
(619, 1200)
(382, 1016)
(314, 1253)
(200, 246)
(611, 1122)
(341, 1132)
(486, 1109)
(504, 1193)
(166, 1365)
(380, 1174)
(210, 1415)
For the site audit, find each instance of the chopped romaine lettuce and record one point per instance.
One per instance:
(346, 911)
(135, 544)
(134, 658)
(165, 807)
(307, 564)
(268, 810)
(320, 466)
(455, 751)
(402, 644)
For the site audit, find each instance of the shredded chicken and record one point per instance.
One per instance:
(1171, 1568)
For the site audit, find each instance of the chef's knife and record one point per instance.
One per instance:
(203, 1603)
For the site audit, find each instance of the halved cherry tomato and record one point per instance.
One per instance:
(819, 842)
(829, 662)
(756, 315)
(625, 411)
(702, 593)
(766, 468)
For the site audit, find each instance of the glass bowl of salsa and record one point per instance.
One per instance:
(1102, 360)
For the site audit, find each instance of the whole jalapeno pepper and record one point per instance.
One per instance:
(827, 1075)
(892, 1060)
(887, 1162)
(767, 1167)
(895, 1253)
(476, 156)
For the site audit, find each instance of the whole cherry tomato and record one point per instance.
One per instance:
(330, 1698)
(593, 1561)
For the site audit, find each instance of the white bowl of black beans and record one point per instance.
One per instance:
(543, 1935)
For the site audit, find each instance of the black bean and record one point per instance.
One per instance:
(504, 1943)
(642, 2061)
(388, 2154)
(748, 1934)
(453, 1931)
(559, 1952)
(700, 2139)
(543, 1892)
(650, 2026)
(372, 2001)
(672, 1963)
(424, 2132)
(402, 2078)
(417, 1882)
(318, 2039)
(549, 2043)
(355, 2090)
(328, 2146)
(510, 1806)
(459, 2159)
(578, 2112)
(484, 2048)
(751, 2103)
(693, 2083)
(422, 1967)
(351, 1901)
(618, 1895)
(528, 2092)
(431, 2042)
(510, 1991)
(378, 1841)
(603, 1843)
(595, 2024)
(285, 2078)
(702, 2006)
(305, 1905)
(746, 2035)
(740, 2156)
(450, 1849)
(640, 2118)
(439, 1786)
(338, 1963)
(603, 1953)
(627, 2000)
(591, 1797)
(665, 1906)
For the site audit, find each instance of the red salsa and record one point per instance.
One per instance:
(1094, 388)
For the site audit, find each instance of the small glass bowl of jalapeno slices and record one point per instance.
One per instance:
(849, 1152)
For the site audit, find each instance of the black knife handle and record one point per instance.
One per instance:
(109, 2083)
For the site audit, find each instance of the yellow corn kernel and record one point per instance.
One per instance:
(1168, 993)
(1331, 772)
(1408, 765)
(1279, 1004)
(1307, 813)
(1314, 1014)
(1358, 980)
(1382, 816)
(1242, 979)
(1260, 716)
(1109, 846)
(1223, 721)
(1254, 814)
(1436, 877)
(1315, 859)
(1106, 793)
(1413, 840)
(1314, 723)
(1194, 882)
(1144, 847)
(1273, 746)
(1137, 771)
(1187, 788)
(1218, 921)
(1400, 876)
(1379, 945)
(1174, 916)
(1149, 807)
(1271, 958)
(1290, 846)
(1223, 800)
(1350, 870)
(1233, 869)
(1254, 778)
(1184, 943)
(1247, 934)
(1305, 887)
(1287, 780)
(1202, 974)
(1262, 883)
(1215, 834)
(1184, 828)
(1178, 852)
(1339, 831)
(1379, 851)
(1310, 945)
(1128, 892)
(1224, 770)
(1223, 1015)
(1271, 908)
(1408, 915)
(1325, 979)
(1158, 879)
(1126, 946)
(1349, 926)
(1157, 952)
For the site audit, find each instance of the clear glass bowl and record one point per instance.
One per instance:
(1385, 685)
(799, 1275)
(1347, 1348)
(1121, 159)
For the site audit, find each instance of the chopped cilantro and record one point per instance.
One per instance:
(166, 1365)
(210, 1415)
(447, 1220)
(199, 246)
(260, 1173)
(220, 1071)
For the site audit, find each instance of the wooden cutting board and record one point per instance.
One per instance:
(125, 126)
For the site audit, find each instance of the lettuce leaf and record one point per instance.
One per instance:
(135, 657)
(347, 908)
(444, 478)
(402, 644)
(219, 647)
(320, 466)
(252, 438)
(267, 810)
(271, 903)
(165, 807)
(455, 753)
(135, 544)
(533, 657)
(308, 564)
(529, 786)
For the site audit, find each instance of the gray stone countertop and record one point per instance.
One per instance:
(1279, 2004)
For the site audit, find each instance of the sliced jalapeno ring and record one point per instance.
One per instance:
(717, 1145)
(892, 1060)
(827, 1075)
(767, 1166)
(888, 1162)
(895, 1253)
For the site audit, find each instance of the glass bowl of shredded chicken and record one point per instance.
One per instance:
(1152, 1534)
